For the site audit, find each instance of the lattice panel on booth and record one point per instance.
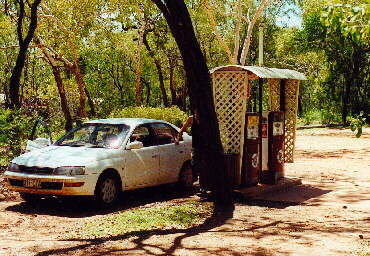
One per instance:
(230, 95)
(291, 94)
(274, 94)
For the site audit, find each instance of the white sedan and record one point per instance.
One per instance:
(102, 158)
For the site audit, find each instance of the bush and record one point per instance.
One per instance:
(330, 116)
(172, 115)
(357, 122)
(310, 117)
(15, 126)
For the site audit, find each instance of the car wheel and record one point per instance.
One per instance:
(186, 176)
(30, 198)
(107, 189)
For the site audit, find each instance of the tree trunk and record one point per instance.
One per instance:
(200, 92)
(14, 84)
(81, 88)
(58, 80)
(347, 87)
(138, 85)
(90, 102)
(248, 39)
(174, 100)
(63, 99)
(159, 71)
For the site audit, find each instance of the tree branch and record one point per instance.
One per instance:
(20, 22)
(248, 38)
(211, 17)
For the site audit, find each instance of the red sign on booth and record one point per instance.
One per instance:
(264, 130)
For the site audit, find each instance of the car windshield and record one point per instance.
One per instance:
(95, 136)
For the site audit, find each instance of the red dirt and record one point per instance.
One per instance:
(327, 215)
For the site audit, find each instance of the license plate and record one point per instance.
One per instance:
(32, 183)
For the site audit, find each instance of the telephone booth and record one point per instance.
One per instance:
(261, 154)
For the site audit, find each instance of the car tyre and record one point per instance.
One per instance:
(30, 198)
(186, 178)
(107, 190)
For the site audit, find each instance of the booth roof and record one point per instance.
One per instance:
(263, 72)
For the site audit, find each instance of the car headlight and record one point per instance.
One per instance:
(69, 170)
(13, 167)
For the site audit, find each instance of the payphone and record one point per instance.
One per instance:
(250, 165)
(272, 147)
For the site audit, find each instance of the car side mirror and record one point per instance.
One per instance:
(134, 145)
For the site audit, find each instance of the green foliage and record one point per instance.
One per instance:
(172, 115)
(351, 21)
(356, 123)
(15, 127)
(138, 220)
(310, 116)
(338, 33)
(329, 116)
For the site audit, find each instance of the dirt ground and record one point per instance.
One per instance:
(328, 215)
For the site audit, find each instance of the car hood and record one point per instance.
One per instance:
(56, 156)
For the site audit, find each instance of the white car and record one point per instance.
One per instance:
(102, 158)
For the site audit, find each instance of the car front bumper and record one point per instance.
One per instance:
(51, 184)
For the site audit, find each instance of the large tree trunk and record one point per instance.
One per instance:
(14, 84)
(200, 92)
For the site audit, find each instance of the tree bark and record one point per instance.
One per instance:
(14, 84)
(200, 92)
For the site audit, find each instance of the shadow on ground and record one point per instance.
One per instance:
(281, 199)
(77, 207)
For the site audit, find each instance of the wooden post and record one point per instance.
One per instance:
(282, 95)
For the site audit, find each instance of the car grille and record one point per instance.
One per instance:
(36, 170)
(44, 185)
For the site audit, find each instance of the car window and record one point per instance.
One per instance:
(95, 135)
(143, 134)
(165, 134)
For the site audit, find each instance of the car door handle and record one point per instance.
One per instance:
(154, 156)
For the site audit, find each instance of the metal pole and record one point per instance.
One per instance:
(260, 87)
(260, 47)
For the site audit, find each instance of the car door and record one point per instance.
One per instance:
(142, 165)
(171, 155)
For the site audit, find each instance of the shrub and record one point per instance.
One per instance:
(15, 126)
(357, 122)
(310, 117)
(330, 116)
(172, 115)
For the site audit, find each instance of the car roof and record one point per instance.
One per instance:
(127, 121)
